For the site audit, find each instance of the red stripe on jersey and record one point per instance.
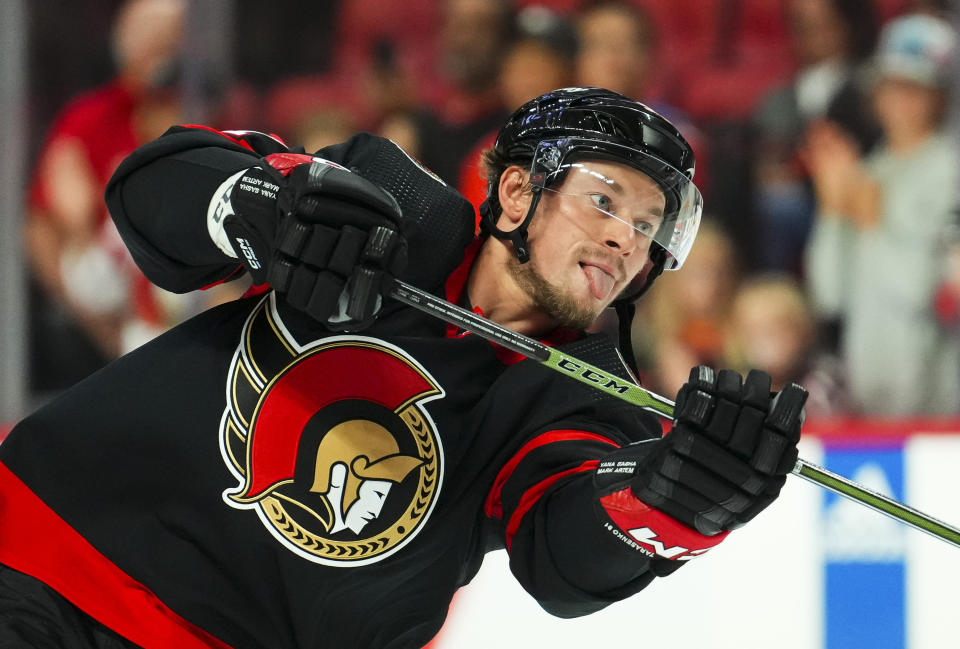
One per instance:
(242, 133)
(256, 289)
(245, 145)
(236, 271)
(455, 287)
(36, 541)
(532, 495)
(287, 162)
(493, 506)
(657, 532)
(457, 280)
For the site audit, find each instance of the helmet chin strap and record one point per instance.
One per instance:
(517, 236)
(625, 312)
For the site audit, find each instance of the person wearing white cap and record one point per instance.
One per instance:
(876, 254)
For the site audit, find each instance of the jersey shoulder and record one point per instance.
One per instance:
(438, 221)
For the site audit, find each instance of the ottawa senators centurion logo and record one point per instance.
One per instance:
(330, 442)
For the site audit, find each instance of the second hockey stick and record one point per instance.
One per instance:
(633, 393)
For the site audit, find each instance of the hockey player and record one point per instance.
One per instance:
(280, 467)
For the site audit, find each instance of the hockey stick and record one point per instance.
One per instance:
(633, 393)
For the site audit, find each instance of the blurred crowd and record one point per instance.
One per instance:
(824, 131)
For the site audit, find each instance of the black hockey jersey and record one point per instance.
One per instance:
(252, 480)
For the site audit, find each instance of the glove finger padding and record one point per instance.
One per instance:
(728, 453)
(345, 225)
(359, 265)
(383, 256)
(332, 195)
(327, 239)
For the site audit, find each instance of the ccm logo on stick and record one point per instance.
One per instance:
(593, 376)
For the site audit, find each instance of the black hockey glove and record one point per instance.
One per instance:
(725, 460)
(729, 452)
(325, 238)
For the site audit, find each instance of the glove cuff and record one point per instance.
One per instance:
(653, 532)
(219, 208)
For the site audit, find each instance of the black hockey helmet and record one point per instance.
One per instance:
(557, 129)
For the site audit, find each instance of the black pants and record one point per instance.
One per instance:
(34, 616)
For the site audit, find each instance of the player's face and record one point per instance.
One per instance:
(590, 237)
(370, 499)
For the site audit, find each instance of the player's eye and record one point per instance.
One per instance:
(644, 227)
(602, 202)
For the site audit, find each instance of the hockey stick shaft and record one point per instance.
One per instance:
(633, 393)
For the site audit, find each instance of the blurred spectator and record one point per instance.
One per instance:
(398, 36)
(618, 50)
(385, 61)
(88, 302)
(947, 300)
(937, 8)
(314, 111)
(724, 55)
(324, 106)
(721, 57)
(875, 256)
(401, 127)
(296, 39)
(389, 87)
(323, 126)
(772, 328)
(618, 42)
(830, 39)
(683, 320)
(473, 37)
(539, 59)
(370, 95)
(62, 65)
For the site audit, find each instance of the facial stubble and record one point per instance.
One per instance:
(552, 300)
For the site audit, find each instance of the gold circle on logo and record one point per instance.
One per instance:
(372, 546)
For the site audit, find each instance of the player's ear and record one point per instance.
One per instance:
(514, 197)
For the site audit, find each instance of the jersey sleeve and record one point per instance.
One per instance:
(545, 496)
(158, 199)
(160, 194)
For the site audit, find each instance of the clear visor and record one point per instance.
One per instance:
(656, 201)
